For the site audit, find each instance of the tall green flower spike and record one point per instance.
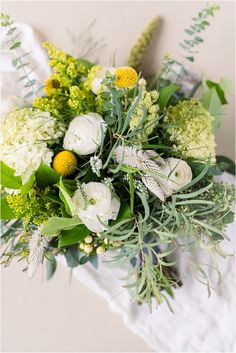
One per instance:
(140, 48)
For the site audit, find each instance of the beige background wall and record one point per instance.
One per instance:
(54, 316)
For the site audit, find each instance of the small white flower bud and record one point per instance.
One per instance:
(142, 83)
(88, 239)
(88, 248)
(117, 243)
(100, 250)
(106, 241)
(81, 245)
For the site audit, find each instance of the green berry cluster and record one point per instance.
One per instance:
(94, 244)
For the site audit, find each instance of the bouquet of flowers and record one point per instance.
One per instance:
(107, 164)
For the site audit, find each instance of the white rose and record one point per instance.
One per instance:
(99, 76)
(178, 172)
(98, 205)
(85, 134)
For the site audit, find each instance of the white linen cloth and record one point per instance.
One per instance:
(199, 323)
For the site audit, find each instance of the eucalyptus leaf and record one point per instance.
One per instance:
(51, 266)
(15, 45)
(93, 259)
(72, 256)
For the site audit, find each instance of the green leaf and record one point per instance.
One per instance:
(8, 179)
(70, 186)
(189, 32)
(6, 211)
(21, 78)
(74, 235)
(225, 164)
(226, 85)
(46, 176)
(56, 224)
(93, 259)
(15, 45)
(87, 64)
(65, 197)
(190, 58)
(30, 83)
(124, 213)
(28, 95)
(11, 31)
(215, 236)
(198, 39)
(72, 256)
(219, 90)
(25, 189)
(131, 191)
(166, 93)
(212, 103)
(51, 266)
(15, 62)
(228, 218)
(23, 65)
(83, 260)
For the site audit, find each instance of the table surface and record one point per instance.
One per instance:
(57, 316)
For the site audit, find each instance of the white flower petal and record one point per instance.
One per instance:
(85, 134)
(178, 173)
(96, 207)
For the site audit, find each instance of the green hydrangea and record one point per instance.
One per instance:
(190, 130)
(149, 103)
(35, 207)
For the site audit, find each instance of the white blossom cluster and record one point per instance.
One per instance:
(24, 137)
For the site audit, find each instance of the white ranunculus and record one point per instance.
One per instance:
(178, 173)
(99, 76)
(96, 206)
(85, 134)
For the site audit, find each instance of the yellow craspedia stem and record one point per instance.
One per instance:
(65, 163)
(126, 77)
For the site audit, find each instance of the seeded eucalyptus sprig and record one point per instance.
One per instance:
(19, 62)
(199, 24)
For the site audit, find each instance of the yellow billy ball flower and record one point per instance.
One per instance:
(126, 77)
(65, 163)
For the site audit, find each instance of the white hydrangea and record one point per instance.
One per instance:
(24, 137)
